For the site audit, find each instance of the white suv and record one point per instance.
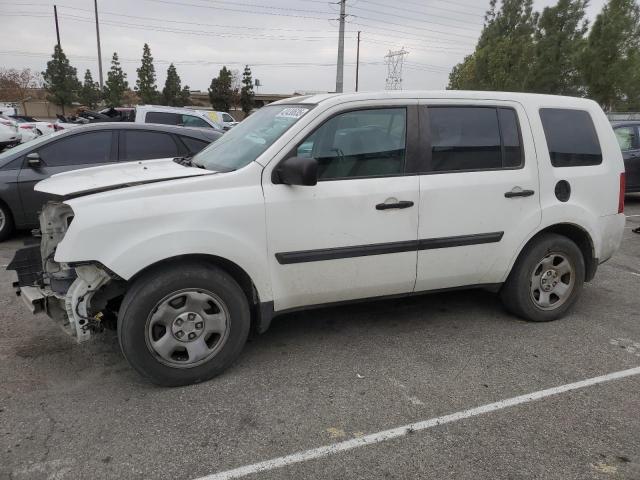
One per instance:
(324, 199)
(185, 117)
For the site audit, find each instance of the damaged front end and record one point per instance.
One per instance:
(74, 295)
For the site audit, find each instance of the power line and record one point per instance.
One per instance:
(423, 12)
(413, 19)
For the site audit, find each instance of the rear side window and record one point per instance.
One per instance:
(193, 121)
(571, 137)
(627, 138)
(474, 138)
(164, 118)
(78, 149)
(142, 145)
(193, 144)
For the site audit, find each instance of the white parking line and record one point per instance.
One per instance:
(385, 435)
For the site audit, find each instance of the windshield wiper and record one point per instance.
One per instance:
(185, 161)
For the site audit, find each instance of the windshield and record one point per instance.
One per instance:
(250, 138)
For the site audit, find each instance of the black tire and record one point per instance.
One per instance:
(6, 226)
(154, 286)
(517, 294)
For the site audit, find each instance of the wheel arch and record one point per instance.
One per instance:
(261, 312)
(576, 234)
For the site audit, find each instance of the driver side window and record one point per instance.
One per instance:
(361, 143)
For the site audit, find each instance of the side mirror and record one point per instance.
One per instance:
(296, 171)
(34, 160)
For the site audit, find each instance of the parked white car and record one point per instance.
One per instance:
(9, 134)
(41, 127)
(223, 118)
(186, 117)
(330, 198)
(27, 131)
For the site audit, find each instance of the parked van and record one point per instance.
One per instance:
(330, 198)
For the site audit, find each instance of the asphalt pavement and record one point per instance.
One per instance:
(322, 377)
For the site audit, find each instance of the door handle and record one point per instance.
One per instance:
(519, 193)
(401, 204)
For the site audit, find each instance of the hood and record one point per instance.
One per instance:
(117, 175)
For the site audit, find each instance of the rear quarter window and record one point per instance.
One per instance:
(571, 137)
(164, 118)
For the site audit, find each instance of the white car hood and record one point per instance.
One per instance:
(118, 175)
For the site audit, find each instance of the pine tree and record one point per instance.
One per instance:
(90, 91)
(171, 92)
(146, 84)
(559, 45)
(246, 92)
(116, 84)
(611, 62)
(220, 94)
(60, 79)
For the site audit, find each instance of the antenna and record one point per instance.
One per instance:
(394, 61)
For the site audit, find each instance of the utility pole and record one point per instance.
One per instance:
(95, 3)
(340, 68)
(55, 15)
(358, 60)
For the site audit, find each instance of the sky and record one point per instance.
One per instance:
(290, 45)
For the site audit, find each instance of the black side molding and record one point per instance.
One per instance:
(303, 256)
(460, 241)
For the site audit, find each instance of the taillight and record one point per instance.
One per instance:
(621, 197)
(8, 124)
(27, 127)
(57, 127)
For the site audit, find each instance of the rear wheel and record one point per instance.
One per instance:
(546, 279)
(183, 324)
(6, 222)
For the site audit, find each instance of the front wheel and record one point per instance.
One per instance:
(6, 222)
(546, 280)
(183, 324)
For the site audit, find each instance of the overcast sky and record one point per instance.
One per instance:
(291, 45)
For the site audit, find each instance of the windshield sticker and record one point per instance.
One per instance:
(292, 112)
(213, 116)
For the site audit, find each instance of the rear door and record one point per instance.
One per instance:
(627, 136)
(146, 145)
(69, 153)
(479, 195)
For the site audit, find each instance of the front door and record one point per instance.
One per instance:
(353, 235)
(479, 199)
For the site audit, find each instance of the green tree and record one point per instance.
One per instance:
(90, 91)
(185, 96)
(503, 56)
(171, 93)
(463, 75)
(116, 84)
(559, 45)
(60, 79)
(611, 62)
(246, 92)
(220, 94)
(146, 84)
